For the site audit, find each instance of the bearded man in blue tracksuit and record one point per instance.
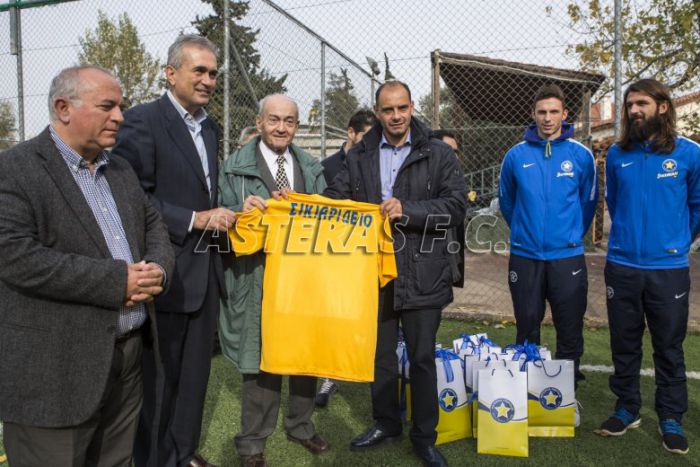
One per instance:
(548, 194)
(653, 195)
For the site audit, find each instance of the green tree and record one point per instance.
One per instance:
(660, 39)
(341, 102)
(243, 107)
(115, 45)
(7, 125)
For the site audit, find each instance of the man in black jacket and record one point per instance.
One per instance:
(420, 186)
(359, 124)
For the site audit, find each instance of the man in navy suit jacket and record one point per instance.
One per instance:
(172, 145)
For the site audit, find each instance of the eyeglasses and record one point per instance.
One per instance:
(274, 120)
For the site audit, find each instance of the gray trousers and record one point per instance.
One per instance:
(261, 396)
(105, 439)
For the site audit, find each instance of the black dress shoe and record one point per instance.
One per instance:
(372, 437)
(199, 461)
(430, 456)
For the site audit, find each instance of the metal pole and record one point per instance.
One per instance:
(323, 100)
(436, 88)
(16, 49)
(227, 83)
(371, 98)
(618, 67)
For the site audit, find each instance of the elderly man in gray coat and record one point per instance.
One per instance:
(82, 254)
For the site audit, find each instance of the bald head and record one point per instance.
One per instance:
(277, 122)
(69, 83)
(276, 100)
(85, 109)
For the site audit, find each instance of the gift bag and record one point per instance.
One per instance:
(490, 362)
(526, 352)
(455, 421)
(467, 341)
(502, 414)
(404, 381)
(551, 398)
(487, 346)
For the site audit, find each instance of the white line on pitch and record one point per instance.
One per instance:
(643, 372)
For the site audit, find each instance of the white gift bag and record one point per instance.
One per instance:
(467, 341)
(455, 421)
(492, 362)
(502, 414)
(551, 398)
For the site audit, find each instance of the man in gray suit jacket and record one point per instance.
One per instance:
(82, 254)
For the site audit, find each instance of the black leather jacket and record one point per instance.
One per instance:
(430, 185)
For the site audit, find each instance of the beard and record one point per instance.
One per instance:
(644, 130)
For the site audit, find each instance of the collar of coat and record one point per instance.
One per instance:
(244, 162)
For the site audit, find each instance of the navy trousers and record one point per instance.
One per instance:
(660, 297)
(562, 282)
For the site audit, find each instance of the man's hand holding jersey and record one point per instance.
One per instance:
(392, 208)
(255, 201)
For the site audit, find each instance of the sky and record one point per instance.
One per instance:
(406, 30)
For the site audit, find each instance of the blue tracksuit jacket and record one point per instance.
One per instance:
(547, 193)
(654, 204)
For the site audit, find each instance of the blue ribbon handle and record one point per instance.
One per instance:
(446, 356)
(465, 341)
(486, 341)
(468, 343)
(403, 361)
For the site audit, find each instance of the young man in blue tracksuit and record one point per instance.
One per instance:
(548, 194)
(653, 195)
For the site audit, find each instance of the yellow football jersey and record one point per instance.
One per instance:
(325, 262)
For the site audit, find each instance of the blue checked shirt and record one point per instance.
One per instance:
(99, 197)
(390, 160)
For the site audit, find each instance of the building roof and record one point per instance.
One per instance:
(499, 91)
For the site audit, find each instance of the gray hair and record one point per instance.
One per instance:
(266, 99)
(246, 134)
(67, 84)
(184, 40)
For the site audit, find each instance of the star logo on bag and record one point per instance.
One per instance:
(502, 410)
(550, 398)
(448, 400)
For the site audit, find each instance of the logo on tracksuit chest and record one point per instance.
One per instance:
(567, 169)
(669, 168)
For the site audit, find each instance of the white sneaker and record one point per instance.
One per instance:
(577, 413)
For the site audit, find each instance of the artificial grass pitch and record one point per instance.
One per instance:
(349, 413)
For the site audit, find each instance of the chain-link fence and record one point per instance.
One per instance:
(473, 68)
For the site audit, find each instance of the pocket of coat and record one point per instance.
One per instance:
(431, 274)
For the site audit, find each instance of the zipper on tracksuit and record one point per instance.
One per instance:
(642, 246)
(547, 188)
